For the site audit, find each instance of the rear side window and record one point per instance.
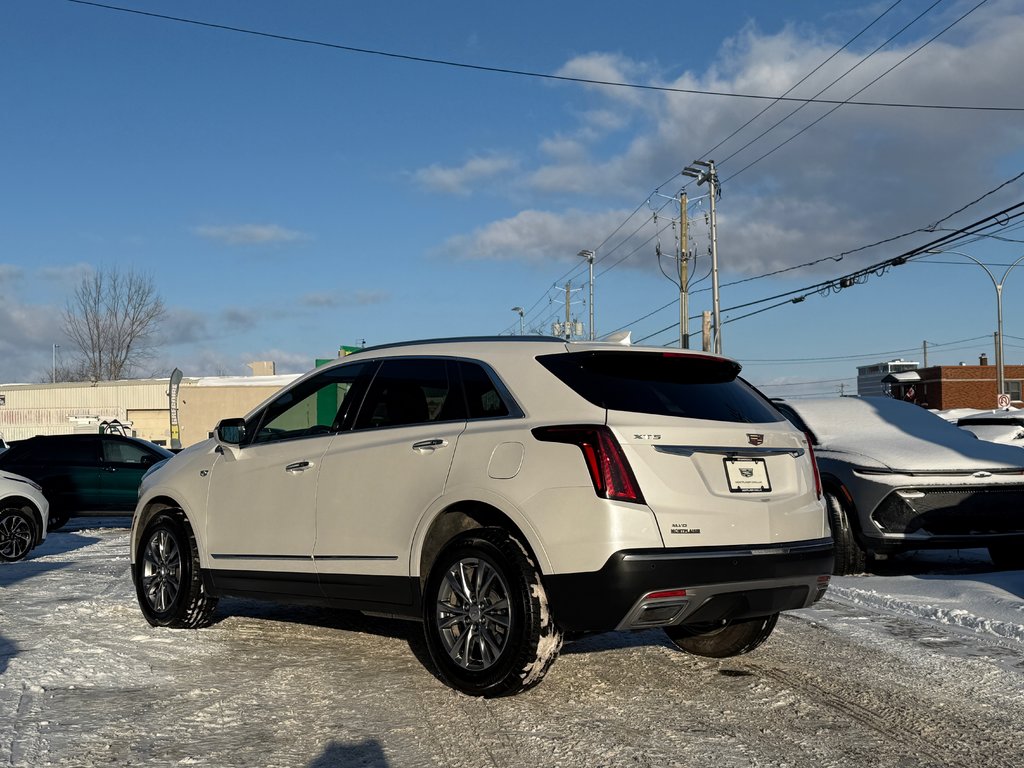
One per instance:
(482, 395)
(662, 384)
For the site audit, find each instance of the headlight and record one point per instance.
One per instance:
(25, 480)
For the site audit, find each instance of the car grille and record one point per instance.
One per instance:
(953, 512)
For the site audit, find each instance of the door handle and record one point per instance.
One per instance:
(426, 446)
(298, 466)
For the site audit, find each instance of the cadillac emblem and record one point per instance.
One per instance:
(755, 439)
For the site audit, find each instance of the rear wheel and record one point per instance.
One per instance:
(58, 519)
(729, 638)
(17, 534)
(850, 556)
(168, 582)
(486, 617)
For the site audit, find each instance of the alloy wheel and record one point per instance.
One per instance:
(473, 614)
(161, 571)
(15, 537)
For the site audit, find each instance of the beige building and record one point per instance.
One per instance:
(142, 406)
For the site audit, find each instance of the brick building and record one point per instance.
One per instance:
(956, 386)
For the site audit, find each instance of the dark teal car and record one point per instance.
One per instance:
(84, 473)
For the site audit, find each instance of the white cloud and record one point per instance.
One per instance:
(607, 68)
(533, 236)
(343, 299)
(26, 342)
(861, 174)
(250, 234)
(9, 273)
(459, 180)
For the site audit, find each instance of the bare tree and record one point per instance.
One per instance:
(112, 320)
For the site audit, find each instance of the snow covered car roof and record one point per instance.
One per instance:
(881, 431)
(998, 426)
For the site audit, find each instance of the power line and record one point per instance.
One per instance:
(856, 93)
(528, 73)
(863, 355)
(836, 80)
(805, 383)
(836, 284)
(793, 87)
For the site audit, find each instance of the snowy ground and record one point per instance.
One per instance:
(922, 665)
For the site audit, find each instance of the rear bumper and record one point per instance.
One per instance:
(643, 588)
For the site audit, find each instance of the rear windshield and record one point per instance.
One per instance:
(663, 384)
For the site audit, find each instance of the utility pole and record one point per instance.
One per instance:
(568, 321)
(53, 374)
(589, 256)
(924, 350)
(684, 269)
(705, 328)
(709, 175)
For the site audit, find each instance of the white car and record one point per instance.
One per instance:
(24, 513)
(899, 478)
(503, 492)
(1005, 427)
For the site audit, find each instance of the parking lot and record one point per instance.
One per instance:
(85, 681)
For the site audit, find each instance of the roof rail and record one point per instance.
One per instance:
(421, 342)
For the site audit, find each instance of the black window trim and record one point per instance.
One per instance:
(455, 375)
(342, 424)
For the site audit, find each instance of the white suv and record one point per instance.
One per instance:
(504, 492)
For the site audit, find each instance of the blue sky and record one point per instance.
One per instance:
(287, 199)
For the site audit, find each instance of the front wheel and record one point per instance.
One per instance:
(719, 641)
(486, 618)
(17, 534)
(168, 582)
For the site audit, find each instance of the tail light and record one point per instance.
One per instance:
(814, 462)
(609, 470)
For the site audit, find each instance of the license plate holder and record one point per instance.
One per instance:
(747, 475)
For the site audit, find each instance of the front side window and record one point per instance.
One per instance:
(116, 452)
(315, 407)
(415, 391)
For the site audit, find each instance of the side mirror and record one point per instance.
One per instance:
(230, 431)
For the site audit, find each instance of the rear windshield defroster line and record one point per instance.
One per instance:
(662, 384)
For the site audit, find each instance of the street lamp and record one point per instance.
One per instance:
(53, 370)
(589, 256)
(1000, 378)
(521, 312)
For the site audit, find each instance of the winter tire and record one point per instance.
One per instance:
(168, 581)
(850, 557)
(486, 617)
(731, 638)
(17, 534)
(58, 519)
